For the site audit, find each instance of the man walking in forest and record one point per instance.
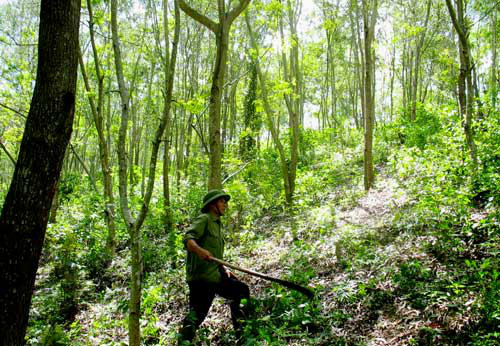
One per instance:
(204, 240)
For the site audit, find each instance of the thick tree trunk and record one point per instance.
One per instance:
(47, 133)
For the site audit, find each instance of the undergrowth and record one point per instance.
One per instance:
(420, 272)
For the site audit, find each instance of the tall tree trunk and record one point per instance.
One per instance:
(291, 73)
(369, 19)
(134, 225)
(358, 55)
(494, 46)
(98, 117)
(169, 69)
(418, 55)
(272, 127)
(221, 31)
(47, 133)
(465, 87)
(393, 72)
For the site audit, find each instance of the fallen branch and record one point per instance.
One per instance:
(304, 290)
(235, 173)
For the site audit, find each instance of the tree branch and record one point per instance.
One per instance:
(210, 24)
(235, 173)
(235, 12)
(7, 152)
(13, 110)
(84, 166)
(456, 25)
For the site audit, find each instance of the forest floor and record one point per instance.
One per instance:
(345, 248)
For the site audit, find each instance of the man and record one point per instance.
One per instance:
(204, 240)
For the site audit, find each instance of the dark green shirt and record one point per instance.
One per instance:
(206, 230)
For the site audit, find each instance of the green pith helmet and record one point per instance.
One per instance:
(213, 195)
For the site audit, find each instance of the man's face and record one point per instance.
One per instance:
(221, 205)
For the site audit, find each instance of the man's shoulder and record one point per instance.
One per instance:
(202, 218)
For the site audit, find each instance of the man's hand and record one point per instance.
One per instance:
(230, 274)
(198, 250)
(204, 254)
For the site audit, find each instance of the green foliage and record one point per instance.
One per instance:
(486, 184)
(417, 133)
(54, 335)
(413, 279)
(447, 187)
(67, 185)
(282, 315)
(252, 120)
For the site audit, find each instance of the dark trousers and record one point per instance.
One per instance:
(201, 295)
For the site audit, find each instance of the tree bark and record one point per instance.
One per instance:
(269, 115)
(169, 69)
(369, 20)
(221, 31)
(465, 87)
(47, 133)
(418, 56)
(134, 225)
(494, 45)
(291, 73)
(98, 117)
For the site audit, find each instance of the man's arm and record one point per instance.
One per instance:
(202, 253)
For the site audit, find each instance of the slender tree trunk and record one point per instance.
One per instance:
(134, 225)
(465, 87)
(494, 46)
(291, 72)
(269, 115)
(25, 212)
(221, 31)
(98, 118)
(169, 67)
(358, 55)
(393, 72)
(369, 19)
(418, 55)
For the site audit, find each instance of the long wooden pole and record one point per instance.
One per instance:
(304, 290)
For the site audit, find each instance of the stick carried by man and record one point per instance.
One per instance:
(304, 290)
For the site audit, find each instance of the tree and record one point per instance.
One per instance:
(47, 133)
(221, 31)
(134, 224)
(418, 57)
(251, 123)
(370, 12)
(98, 118)
(288, 183)
(465, 87)
(295, 102)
